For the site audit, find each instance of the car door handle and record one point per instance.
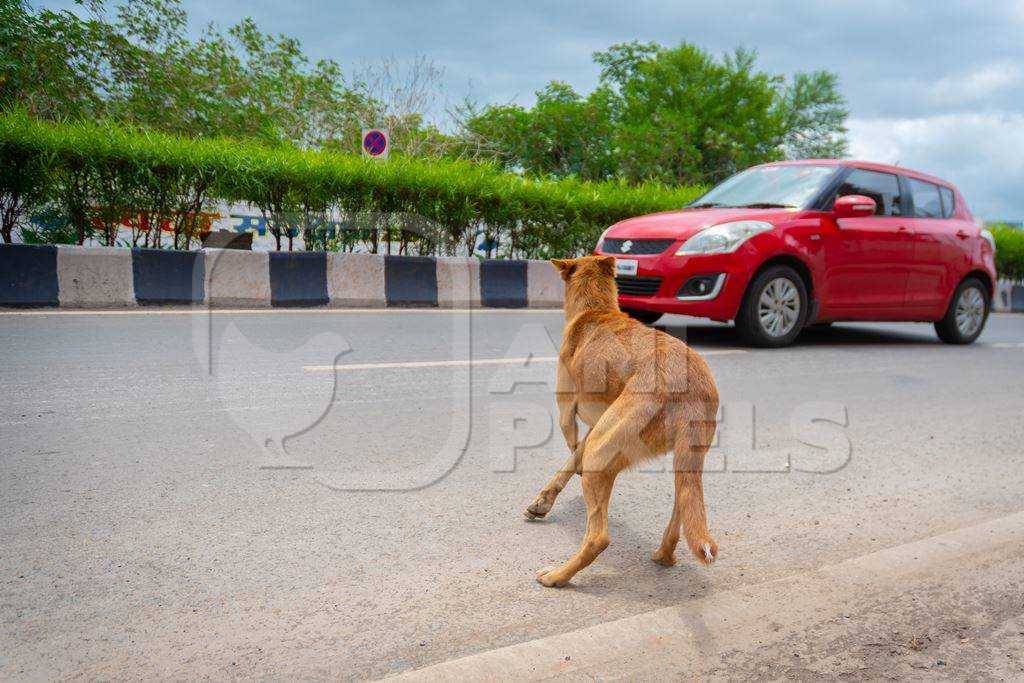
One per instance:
(903, 231)
(962, 234)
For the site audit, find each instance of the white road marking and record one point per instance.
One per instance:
(1007, 345)
(430, 364)
(465, 362)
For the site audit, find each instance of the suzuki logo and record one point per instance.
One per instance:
(626, 246)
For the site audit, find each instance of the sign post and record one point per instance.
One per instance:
(376, 143)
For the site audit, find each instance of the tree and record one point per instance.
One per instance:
(140, 66)
(674, 115)
(815, 114)
(50, 62)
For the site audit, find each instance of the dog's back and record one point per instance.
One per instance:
(608, 353)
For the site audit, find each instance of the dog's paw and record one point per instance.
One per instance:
(663, 558)
(548, 576)
(538, 509)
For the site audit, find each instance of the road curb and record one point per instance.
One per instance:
(298, 278)
(1009, 298)
(34, 276)
(503, 284)
(161, 277)
(95, 277)
(28, 275)
(544, 286)
(410, 280)
(234, 277)
(355, 280)
(683, 638)
(458, 282)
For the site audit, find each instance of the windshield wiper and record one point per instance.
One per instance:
(708, 205)
(765, 205)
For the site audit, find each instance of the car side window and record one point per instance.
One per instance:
(948, 202)
(927, 201)
(884, 188)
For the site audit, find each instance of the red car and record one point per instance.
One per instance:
(785, 245)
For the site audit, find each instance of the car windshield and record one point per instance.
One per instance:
(767, 187)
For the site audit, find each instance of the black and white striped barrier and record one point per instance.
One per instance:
(103, 277)
(1009, 298)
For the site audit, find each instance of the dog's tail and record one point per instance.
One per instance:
(690, 450)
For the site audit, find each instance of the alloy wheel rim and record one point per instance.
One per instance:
(778, 307)
(970, 311)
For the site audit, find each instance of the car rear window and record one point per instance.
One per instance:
(948, 203)
(927, 201)
(884, 188)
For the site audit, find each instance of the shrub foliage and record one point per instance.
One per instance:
(94, 175)
(1009, 252)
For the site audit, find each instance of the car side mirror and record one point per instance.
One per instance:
(854, 206)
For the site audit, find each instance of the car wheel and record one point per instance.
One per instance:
(646, 317)
(967, 313)
(774, 309)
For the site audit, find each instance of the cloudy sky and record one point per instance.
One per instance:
(936, 86)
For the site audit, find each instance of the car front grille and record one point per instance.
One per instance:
(641, 247)
(638, 285)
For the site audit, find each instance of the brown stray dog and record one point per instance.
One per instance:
(643, 393)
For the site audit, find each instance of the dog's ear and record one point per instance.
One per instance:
(564, 266)
(607, 264)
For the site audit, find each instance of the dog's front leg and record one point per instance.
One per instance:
(542, 504)
(566, 398)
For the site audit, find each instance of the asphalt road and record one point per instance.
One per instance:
(188, 495)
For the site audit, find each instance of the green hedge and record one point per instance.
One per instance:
(1009, 252)
(94, 174)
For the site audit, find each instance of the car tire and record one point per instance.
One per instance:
(646, 317)
(967, 313)
(774, 309)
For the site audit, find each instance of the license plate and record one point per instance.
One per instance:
(625, 266)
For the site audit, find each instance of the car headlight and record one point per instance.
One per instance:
(988, 237)
(723, 238)
(600, 240)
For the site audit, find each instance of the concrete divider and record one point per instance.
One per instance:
(544, 285)
(237, 278)
(104, 277)
(1001, 300)
(410, 280)
(1009, 298)
(28, 275)
(298, 278)
(95, 277)
(356, 280)
(162, 276)
(458, 282)
(503, 284)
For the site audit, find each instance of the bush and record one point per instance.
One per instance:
(124, 170)
(54, 228)
(1009, 252)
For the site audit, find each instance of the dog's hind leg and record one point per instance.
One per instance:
(666, 553)
(597, 490)
(605, 454)
(688, 463)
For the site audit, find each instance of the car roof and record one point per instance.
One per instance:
(868, 165)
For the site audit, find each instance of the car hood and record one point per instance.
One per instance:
(685, 223)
